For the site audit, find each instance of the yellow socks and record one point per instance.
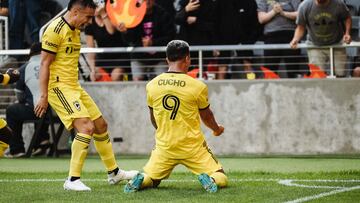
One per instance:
(3, 147)
(2, 123)
(79, 151)
(6, 79)
(220, 179)
(104, 148)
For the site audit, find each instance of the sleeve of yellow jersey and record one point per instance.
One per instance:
(202, 100)
(50, 41)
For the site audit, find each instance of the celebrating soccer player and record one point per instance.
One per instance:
(175, 101)
(60, 87)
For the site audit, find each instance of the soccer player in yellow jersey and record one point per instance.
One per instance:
(177, 102)
(60, 87)
(10, 76)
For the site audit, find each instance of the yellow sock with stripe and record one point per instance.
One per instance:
(79, 150)
(104, 148)
(3, 147)
(5, 79)
(147, 182)
(221, 179)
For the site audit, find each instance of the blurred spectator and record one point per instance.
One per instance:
(104, 34)
(4, 7)
(156, 29)
(236, 23)
(23, 13)
(27, 91)
(168, 5)
(197, 20)
(278, 18)
(4, 11)
(356, 67)
(328, 22)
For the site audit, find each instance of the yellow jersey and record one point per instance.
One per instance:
(64, 41)
(176, 99)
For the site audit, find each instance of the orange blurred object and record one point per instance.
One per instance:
(126, 11)
(105, 77)
(269, 74)
(315, 72)
(194, 73)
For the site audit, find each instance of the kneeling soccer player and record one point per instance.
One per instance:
(175, 101)
(10, 76)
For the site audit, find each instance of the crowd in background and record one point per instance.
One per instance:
(199, 22)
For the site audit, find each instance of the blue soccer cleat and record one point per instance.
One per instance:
(207, 182)
(134, 184)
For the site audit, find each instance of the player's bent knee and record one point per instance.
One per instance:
(220, 178)
(101, 125)
(84, 125)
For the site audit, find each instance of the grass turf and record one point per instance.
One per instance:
(251, 180)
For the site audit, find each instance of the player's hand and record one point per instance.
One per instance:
(14, 75)
(192, 5)
(41, 106)
(219, 131)
(347, 38)
(191, 20)
(294, 43)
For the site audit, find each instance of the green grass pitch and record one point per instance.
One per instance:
(251, 179)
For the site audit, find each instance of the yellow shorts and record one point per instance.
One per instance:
(159, 167)
(2, 123)
(71, 102)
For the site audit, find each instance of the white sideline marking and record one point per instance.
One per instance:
(291, 184)
(304, 199)
(324, 194)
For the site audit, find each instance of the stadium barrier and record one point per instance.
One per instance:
(200, 52)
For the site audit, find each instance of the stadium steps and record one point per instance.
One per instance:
(7, 97)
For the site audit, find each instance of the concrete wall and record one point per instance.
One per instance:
(260, 117)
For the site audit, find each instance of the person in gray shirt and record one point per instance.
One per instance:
(278, 18)
(27, 93)
(328, 22)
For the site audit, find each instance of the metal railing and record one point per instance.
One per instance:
(200, 50)
(4, 32)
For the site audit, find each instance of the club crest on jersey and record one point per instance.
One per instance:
(77, 105)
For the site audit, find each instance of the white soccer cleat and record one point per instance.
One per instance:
(121, 175)
(76, 185)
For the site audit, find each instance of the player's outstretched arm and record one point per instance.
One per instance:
(46, 60)
(208, 118)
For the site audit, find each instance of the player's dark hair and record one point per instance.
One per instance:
(83, 3)
(35, 49)
(177, 50)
